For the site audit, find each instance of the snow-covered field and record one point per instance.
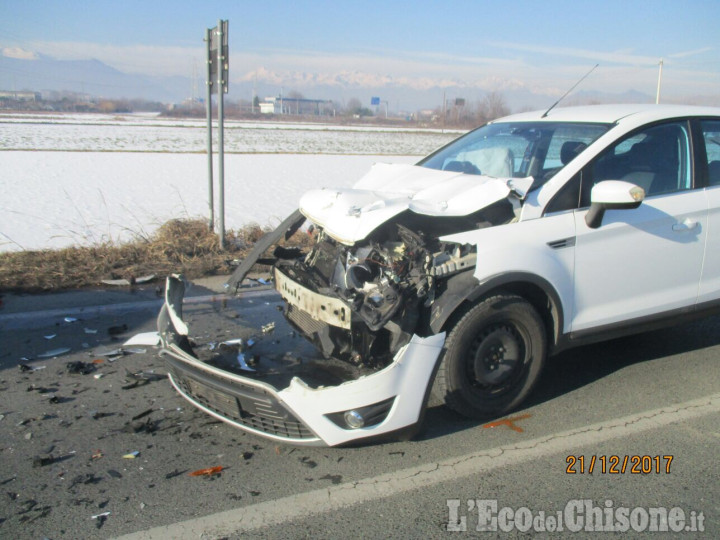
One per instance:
(85, 179)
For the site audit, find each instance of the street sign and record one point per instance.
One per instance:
(374, 101)
(219, 40)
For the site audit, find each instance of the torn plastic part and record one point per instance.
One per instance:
(174, 294)
(144, 338)
(286, 229)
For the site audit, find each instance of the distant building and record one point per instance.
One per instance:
(297, 106)
(20, 96)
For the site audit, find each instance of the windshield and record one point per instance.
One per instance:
(516, 149)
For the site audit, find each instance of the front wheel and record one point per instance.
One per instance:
(492, 358)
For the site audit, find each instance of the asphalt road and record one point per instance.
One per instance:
(63, 437)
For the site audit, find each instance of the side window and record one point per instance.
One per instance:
(657, 159)
(711, 135)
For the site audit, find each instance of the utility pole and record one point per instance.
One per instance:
(208, 113)
(221, 85)
(657, 96)
(217, 82)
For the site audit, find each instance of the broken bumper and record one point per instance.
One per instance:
(389, 400)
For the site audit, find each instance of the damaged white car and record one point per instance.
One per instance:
(462, 273)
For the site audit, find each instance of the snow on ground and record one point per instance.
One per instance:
(57, 199)
(84, 179)
(98, 136)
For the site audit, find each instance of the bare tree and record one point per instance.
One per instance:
(353, 104)
(492, 106)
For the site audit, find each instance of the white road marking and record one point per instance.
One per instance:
(319, 501)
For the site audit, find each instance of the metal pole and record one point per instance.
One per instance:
(208, 113)
(657, 96)
(221, 142)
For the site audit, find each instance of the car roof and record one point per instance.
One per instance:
(610, 114)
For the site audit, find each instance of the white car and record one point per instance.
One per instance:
(462, 273)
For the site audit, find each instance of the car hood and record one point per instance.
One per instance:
(350, 215)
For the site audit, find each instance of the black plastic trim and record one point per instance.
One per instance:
(638, 325)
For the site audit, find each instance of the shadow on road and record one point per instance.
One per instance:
(582, 366)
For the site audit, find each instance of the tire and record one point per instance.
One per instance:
(492, 358)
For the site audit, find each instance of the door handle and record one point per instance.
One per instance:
(686, 225)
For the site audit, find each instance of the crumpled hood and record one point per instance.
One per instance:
(350, 215)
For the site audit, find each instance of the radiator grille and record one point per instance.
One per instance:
(246, 405)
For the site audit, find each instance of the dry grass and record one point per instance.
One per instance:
(186, 246)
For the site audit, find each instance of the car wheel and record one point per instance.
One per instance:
(492, 358)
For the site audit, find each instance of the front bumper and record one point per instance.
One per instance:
(297, 414)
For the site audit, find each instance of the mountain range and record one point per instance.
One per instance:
(42, 73)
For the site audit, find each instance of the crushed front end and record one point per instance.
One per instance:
(323, 402)
(371, 294)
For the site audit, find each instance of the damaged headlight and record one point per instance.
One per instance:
(454, 258)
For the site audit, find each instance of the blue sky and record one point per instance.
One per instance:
(542, 45)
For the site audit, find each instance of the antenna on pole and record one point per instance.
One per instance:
(657, 95)
(571, 89)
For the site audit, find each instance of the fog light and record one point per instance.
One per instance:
(362, 417)
(354, 419)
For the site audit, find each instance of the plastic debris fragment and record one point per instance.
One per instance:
(101, 518)
(132, 455)
(50, 336)
(54, 352)
(267, 328)
(211, 471)
(243, 364)
(70, 319)
(104, 514)
(113, 352)
(125, 282)
(145, 338)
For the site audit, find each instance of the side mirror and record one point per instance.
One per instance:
(612, 195)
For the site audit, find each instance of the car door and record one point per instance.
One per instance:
(645, 261)
(710, 153)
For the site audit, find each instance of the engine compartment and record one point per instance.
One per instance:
(362, 303)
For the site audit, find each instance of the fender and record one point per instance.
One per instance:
(466, 287)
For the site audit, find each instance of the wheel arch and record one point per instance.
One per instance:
(539, 292)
